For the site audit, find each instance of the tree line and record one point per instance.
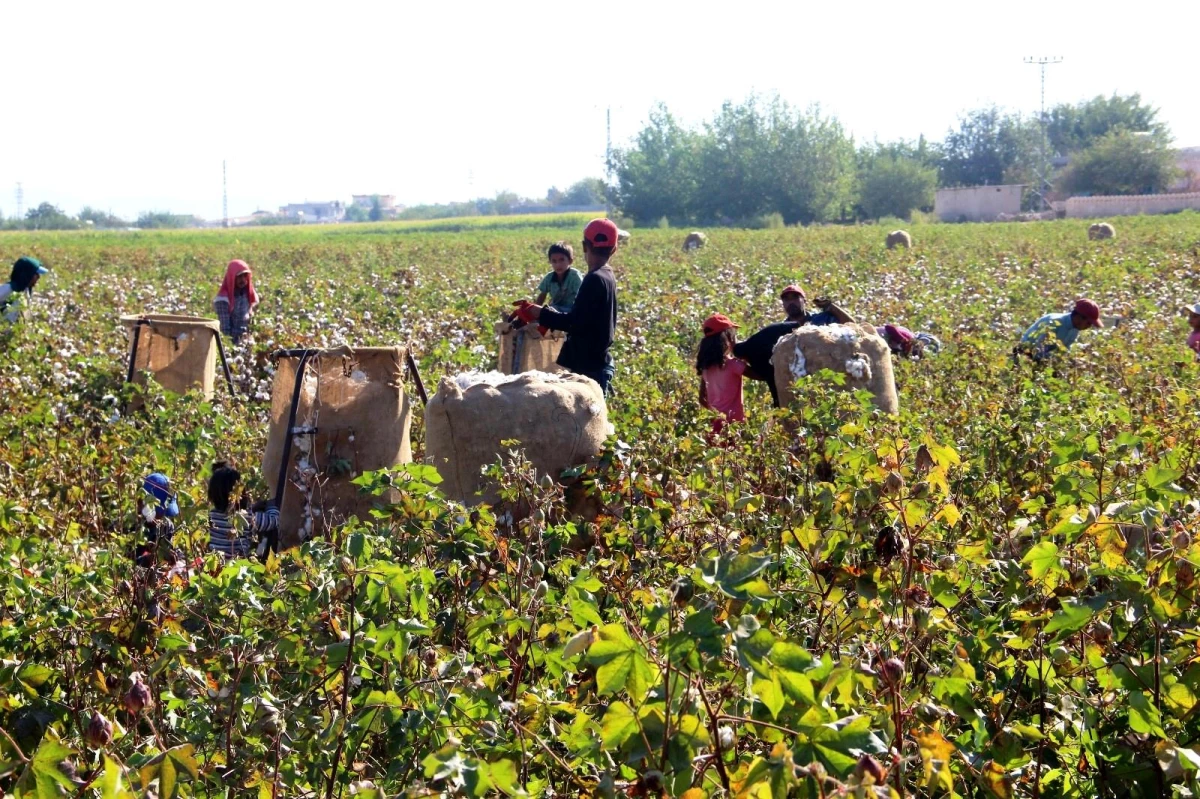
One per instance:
(47, 216)
(762, 162)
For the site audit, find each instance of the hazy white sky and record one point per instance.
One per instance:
(132, 106)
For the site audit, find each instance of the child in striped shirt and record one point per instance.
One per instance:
(230, 532)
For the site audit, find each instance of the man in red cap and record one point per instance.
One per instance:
(591, 324)
(1056, 332)
(794, 299)
(756, 350)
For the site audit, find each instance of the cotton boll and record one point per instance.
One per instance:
(799, 366)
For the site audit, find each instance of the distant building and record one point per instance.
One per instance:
(1187, 160)
(977, 203)
(386, 201)
(333, 211)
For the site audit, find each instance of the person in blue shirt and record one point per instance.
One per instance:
(1054, 333)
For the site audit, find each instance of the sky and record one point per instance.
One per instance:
(132, 107)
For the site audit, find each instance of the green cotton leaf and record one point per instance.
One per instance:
(619, 723)
(767, 690)
(584, 614)
(43, 777)
(734, 576)
(112, 782)
(34, 674)
(1045, 565)
(1161, 478)
(1074, 616)
(504, 778)
(1144, 716)
(620, 663)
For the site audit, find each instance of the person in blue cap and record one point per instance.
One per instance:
(25, 274)
(159, 508)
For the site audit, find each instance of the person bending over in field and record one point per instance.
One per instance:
(158, 511)
(720, 372)
(1054, 333)
(231, 532)
(904, 343)
(236, 300)
(757, 349)
(25, 274)
(1193, 317)
(591, 324)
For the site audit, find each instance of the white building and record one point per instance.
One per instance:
(333, 211)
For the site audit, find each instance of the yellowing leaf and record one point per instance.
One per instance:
(996, 780)
(950, 514)
(936, 753)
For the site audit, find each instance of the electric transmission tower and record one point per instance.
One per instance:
(20, 201)
(224, 195)
(1043, 171)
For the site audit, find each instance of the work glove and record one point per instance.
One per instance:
(527, 315)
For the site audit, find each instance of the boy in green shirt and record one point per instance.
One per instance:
(562, 284)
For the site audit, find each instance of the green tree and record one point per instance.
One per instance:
(989, 147)
(589, 191)
(894, 185)
(1072, 128)
(101, 219)
(750, 160)
(356, 213)
(164, 219)
(376, 212)
(659, 175)
(49, 217)
(1121, 162)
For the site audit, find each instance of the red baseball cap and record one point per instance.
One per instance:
(793, 289)
(717, 323)
(601, 233)
(1089, 311)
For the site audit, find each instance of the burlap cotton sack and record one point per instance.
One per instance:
(854, 350)
(352, 416)
(180, 351)
(527, 350)
(559, 419)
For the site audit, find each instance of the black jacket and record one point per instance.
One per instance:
(591, 324)
(757, 350)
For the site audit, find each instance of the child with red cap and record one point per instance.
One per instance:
(236, 300)
(1056, 332)
(591, 324)
(720, 372)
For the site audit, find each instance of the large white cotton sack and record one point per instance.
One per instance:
(559, 419)
(856, 351)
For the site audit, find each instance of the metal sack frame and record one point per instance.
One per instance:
(137, 334)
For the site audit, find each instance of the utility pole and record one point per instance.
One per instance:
(1044, 164)
(224, 194)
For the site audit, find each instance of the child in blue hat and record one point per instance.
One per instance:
(159, 508)
(24, 277)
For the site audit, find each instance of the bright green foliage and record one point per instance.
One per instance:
(991, 594)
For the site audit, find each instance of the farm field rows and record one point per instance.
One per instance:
(991, 594)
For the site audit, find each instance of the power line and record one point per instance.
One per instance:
(1044, 165)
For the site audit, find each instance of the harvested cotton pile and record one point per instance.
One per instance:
(560, 420)
(856, 351)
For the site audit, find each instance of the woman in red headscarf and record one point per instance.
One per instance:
(236, 300)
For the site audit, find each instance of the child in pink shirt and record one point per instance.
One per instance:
(1193, 339)
(720, 372)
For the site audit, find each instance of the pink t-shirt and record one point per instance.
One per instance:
(1194, 342)
(723, 387)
